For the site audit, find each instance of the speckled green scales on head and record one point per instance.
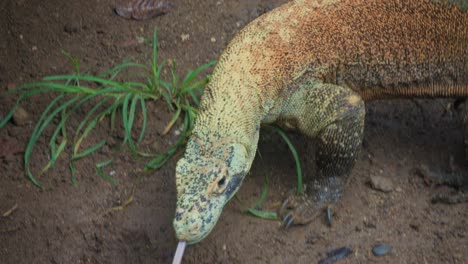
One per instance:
(309, 66)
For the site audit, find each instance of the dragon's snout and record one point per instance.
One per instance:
(192, 223)
(187, 230)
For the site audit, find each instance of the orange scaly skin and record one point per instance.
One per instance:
(309, 65)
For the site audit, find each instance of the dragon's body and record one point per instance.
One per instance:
(310, 65)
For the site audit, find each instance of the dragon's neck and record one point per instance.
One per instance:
(227, 117)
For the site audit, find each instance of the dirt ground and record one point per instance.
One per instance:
(64, 224)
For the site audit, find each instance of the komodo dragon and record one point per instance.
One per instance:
(310, 65)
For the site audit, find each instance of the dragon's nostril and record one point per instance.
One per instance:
(194, 228)
(222, 182)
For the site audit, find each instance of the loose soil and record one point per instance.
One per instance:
(66, 224)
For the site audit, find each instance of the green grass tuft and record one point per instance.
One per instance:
(108, 96)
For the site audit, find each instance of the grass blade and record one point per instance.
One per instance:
(55, 154)
(85, 121)
(102, 174)
(159, 161)
(296, 158)
(89, 150)
(192, 75)
(125, 117)
(263, 195)
(171, 123)
(263, 214)
(155, 54)
(35, 135)
(114, 72)
(72, 174)
(143, 125)
(20, 99)
(131, 119)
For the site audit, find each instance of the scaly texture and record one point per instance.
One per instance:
(309, 65)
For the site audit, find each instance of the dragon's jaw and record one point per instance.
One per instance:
(194, 227)
(196, 216)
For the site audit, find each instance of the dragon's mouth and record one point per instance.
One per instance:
(203, 236)
(194, 227)
(195, 224)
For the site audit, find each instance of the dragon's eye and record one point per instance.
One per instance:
(222, 182)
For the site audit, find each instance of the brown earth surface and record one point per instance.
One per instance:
(66, 224)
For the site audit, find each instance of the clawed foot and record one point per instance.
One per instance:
(300, 210)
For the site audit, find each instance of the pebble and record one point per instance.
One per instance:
(368, 223)
(381, 249)
(21, 117)
(381, 183)
(185, 37)
(72, 27)
(335, 255)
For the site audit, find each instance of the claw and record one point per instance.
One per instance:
(283, 206)
(293, 211)
(329, 215)
(288, 220)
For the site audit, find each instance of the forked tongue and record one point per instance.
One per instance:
(179, 252)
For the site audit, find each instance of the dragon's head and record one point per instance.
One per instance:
(206, 180)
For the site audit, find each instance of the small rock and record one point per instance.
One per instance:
(398, 189)
(415, 226)
(368, 223)
(185, 37)
(381, 184)
(213, 39)
(141, 10)
(106, 42)
(72, 27)
(21, 117)
(381, 249)
(336, 255)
